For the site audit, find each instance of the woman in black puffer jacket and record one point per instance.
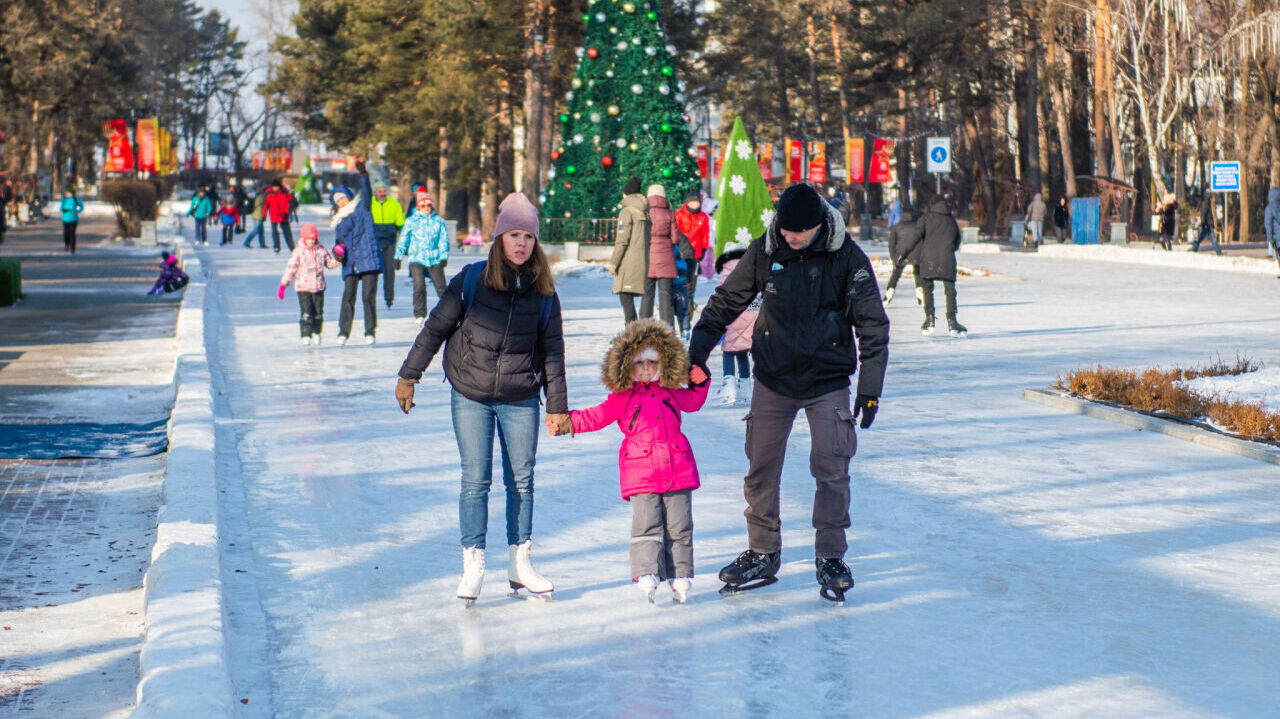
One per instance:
(500, 324)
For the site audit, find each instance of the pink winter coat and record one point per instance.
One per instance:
(655, 456)
(737, 336)
(308, 265)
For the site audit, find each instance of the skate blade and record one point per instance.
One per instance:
(468, 602)
(531, 596)
(729, 590)
(833, 595)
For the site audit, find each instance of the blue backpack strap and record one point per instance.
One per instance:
(545, 318)
(469, 284)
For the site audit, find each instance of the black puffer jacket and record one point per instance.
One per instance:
(900, 236)
(816, 301)
(497, 351)
(937, 237)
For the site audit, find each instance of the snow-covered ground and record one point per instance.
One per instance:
(1010, 559)
(1260, 387)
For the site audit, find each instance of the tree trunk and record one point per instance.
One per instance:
(447, 172)
(1060, 107)
(1101, 78)
(1031, 100)
(815, 92)
(982, 154)
(838, 56)
(534, 105)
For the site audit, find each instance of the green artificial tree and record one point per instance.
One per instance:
(745, 208)
(625, 115)
(305, 189)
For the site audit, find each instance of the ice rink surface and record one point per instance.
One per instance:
(1010, 560)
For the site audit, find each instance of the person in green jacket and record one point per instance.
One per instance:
(71, 209)
(201, 208)
(388, 218)
(259, 218)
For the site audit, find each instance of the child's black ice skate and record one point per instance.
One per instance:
(751, 570)
(834, 579)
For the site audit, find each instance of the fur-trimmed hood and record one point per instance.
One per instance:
(833, 225)
(616, 372)
(345, 211)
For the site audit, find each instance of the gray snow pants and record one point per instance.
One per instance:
(662, 534)
(833, 443)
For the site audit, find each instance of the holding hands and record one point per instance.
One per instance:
(558, 424)
(697, 376)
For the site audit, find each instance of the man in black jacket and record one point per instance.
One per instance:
(819, 294)
(934, 245)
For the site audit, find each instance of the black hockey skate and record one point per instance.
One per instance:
(751, 570)
(834, 579)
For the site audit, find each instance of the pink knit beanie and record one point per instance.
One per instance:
(516, 213)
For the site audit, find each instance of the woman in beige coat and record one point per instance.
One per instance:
(630, 261)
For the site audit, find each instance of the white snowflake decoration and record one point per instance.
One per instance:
(766, 216)
(743, 235)
(737, 184)
(743, 148)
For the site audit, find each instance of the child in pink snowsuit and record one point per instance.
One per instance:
(306, 271)
(650, 383)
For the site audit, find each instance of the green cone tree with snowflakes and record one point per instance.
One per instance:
(745, 206)
(625, 115)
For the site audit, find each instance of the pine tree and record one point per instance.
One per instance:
(625, 114)
(745, 206)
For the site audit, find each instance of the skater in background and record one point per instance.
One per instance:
(356, 247)
(1035, 219)
(244, 205)
(258, 212)
(1206, 225)
(1271, 224)
(693, 227)
(895, 214)
(937, 239)
(71, 208)
(899, 236)
(171, 278)
(388, 218)
(424, 240)
(6, 197)
(662, 266)
(736, 346)
(305, 270)
(629, 263)
(680, 294)
(276, 206)
(500, 324)
(201, 207)
(1061, 219)
(646, 373)
(804, 354)
(228, 218)
(1168, 221)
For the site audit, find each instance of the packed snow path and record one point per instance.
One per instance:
(1009, 559)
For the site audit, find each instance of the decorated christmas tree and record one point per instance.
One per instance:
(625, 114)
(745, 207)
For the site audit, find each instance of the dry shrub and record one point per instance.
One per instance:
(1156, 390)
(135, 201)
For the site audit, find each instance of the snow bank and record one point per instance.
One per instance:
(183, 663)
(1261, 387)
(576, 268)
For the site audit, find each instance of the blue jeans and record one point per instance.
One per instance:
(257, 232)
(202, 230)
(473, 425)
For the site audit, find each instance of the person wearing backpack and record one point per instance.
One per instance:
(500, 324)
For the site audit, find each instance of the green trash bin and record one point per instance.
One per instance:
(10, 282)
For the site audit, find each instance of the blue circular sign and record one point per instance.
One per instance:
(939, 154)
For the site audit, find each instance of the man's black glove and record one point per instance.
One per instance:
(867, 405)
(397, 264)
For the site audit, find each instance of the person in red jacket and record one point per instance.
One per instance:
(277, 210)
(228, 217)
(694, 224)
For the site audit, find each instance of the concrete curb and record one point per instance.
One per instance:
(183, 663)
(1139, 420)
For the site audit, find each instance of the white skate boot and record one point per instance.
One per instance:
(315, 340)
(729, 392)
(744, 392)
(522, 575)
(472, 575)
(680, 589)
(306, 341)
(888, 296)
(648, 584)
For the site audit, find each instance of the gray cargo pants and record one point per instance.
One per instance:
(662, 534)
(833, 442)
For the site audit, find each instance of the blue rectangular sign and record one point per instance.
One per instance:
(1224, 176)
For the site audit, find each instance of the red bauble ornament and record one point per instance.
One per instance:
(606, 161)
(555, 154)
(568, 185)
(593, 53)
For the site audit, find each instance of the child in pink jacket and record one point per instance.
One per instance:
(307, 264)
(736, 347)
(650, 384)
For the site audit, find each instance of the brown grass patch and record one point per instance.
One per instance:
(1156, 390)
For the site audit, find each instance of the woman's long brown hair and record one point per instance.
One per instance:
(496, 279)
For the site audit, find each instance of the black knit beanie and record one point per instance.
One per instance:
(693, 196)
(632, 187)
(800, 208)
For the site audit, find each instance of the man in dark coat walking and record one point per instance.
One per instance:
(819, 293)
(900, 235)
(937, 238)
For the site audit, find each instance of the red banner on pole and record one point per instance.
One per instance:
(881, 161)
(764, 157)
(817, 161)
(146, 137)
(853, 159)
(795, 160)
(704, 154)
(719, 163)
(119, 151)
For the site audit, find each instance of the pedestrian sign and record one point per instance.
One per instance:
(938, 154)
(1224, 176)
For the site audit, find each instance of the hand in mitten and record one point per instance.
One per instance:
(280, 292)
(698, 376)
(398, 265)
(360, 167)
(559, 423)
(867, 406)
(404, 394)
(340, 251)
